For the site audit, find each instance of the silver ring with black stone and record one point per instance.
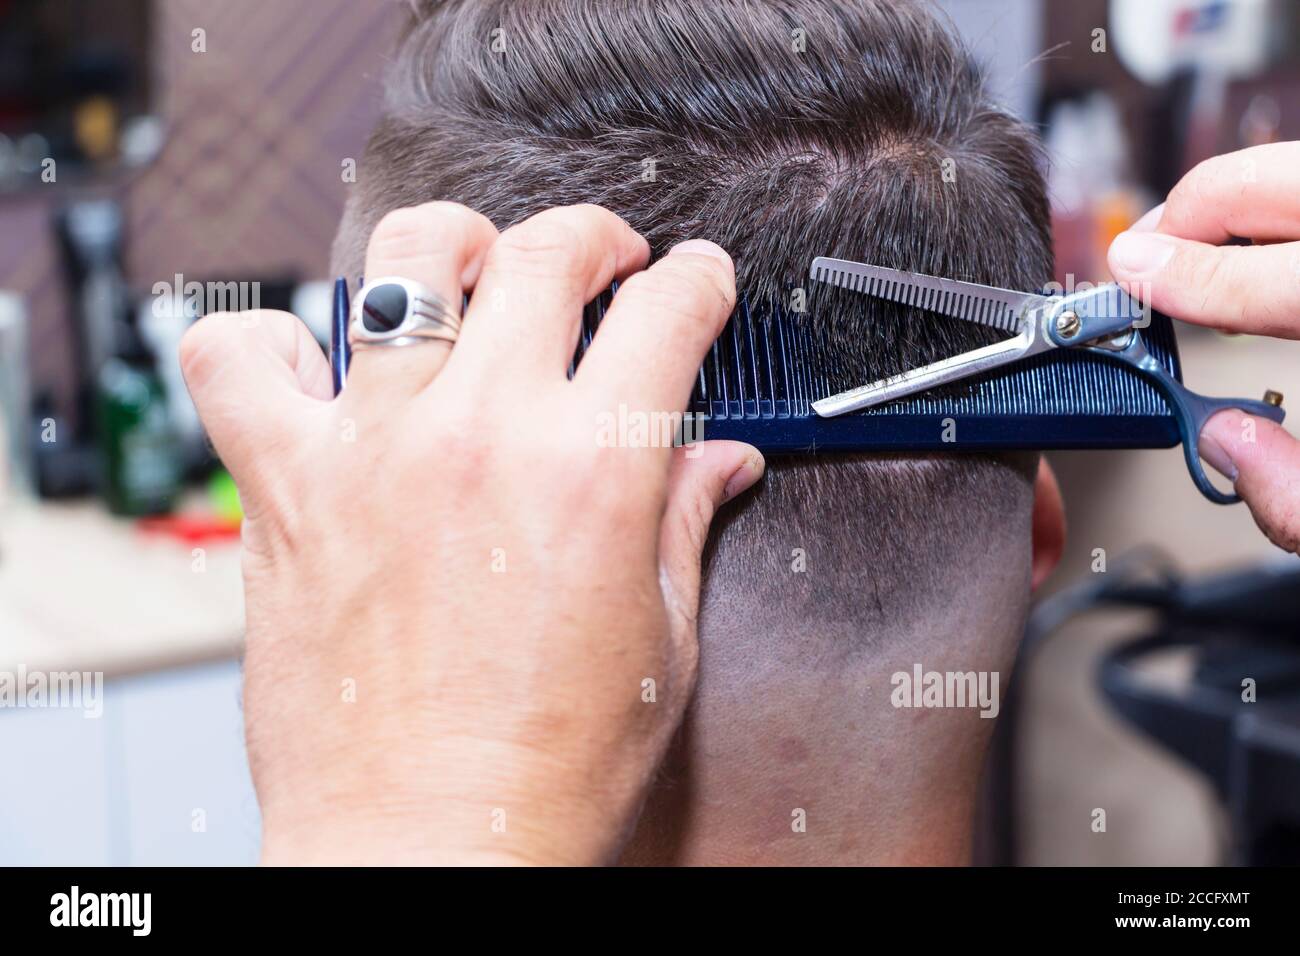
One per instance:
(392, 311)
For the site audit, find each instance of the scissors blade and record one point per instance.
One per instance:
(989, 305)
(922, 379)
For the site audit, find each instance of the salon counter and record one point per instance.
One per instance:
(82, 590)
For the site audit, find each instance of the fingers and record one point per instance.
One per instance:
(1149, 220)
(1263, 461)
(1234, 288)
(440, 244)
(1253, 193)
(524, 317)
(653, 339)
(702, 479)
(1172, 258)
(254, 377)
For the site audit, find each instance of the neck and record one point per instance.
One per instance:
(814, 775)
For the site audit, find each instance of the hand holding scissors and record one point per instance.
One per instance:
(1176, 256)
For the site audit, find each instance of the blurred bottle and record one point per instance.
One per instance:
(139, 448)
(1117, 200)
(1067, 145)
(1261, 123)
(1093, 192)
(15, 399)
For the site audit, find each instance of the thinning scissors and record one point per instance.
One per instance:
(1103, 319)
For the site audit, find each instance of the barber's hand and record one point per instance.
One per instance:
(1174, 261)
(470, 620)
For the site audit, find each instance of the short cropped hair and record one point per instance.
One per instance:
(780, 129)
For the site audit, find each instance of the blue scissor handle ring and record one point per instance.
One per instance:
(1190, 410)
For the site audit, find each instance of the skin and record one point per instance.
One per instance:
(776, 725)
(408, 697)
(1173, 259)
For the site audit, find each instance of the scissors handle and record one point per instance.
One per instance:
(1192, 411)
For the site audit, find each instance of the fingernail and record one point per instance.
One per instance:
(1148, 222)
(1214, 452)
(701, 247)
(744, 477)
(1140, 253)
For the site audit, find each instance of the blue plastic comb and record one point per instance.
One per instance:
(759, 381)
(1088, 370)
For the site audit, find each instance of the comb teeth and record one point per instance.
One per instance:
(930, 293)
(767, 368)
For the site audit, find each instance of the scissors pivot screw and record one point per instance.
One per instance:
(1068, 324)
(1273, 398)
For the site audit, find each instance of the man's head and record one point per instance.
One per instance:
(780, 130)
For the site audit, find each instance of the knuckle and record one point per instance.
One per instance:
(1216, 276)
(415, 232)
(207, 345)
(464, 450)
(685, 286)
(1192, 194)
(565, 241)
(591, 217)
(648, 293)
(586, 217)
(1197, 270)
(550, 242)
(708, 275)
(1199, 185)
(590, 210)
(396, 228)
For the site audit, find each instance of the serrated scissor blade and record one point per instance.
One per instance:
(997, 308)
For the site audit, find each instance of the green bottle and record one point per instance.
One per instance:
(140, 450)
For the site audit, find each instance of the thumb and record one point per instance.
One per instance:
(703, 477)
(1232, 288)
(1263, 461)
(253, 375)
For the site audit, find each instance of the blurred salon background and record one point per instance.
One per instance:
(149, 150)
